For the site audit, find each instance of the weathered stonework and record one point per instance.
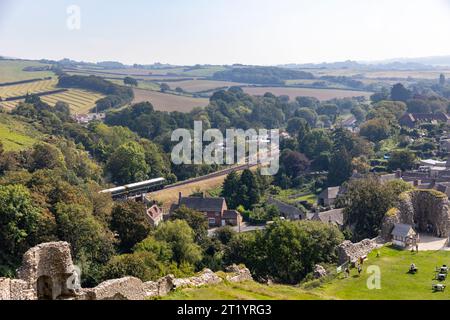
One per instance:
(207, 277)
(159, 288)
(238, 274)
(128, 288)
(420, 209)
(13, 289)
(348, 251)
(48, 273)
(319, 271)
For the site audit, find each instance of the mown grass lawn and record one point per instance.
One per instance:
(396, 282)
(243, 291)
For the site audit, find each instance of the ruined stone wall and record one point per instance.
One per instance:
(348, 251)
(48, 273)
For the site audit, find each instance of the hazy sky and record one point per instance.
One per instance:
(226, 31)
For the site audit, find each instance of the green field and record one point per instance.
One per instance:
(396, 283)
(243, 291)
(16, 135)
(12, 70)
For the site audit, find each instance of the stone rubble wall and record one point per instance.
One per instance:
(348, 251)
(54, 262)
(127, 288)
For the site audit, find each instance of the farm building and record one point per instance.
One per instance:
(215, 210)
(328, 196)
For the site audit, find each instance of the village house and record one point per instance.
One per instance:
(334, 217)
(214, 209)
(410, 120)
(154, 215)
(288, 211)
(403, 235)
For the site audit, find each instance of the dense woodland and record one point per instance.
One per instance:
(50, 191)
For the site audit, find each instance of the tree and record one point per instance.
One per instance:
(328, 109)
(18, 222)
(402, 159)
(46, 156)
(130, 81)
(418, 106)
(285, 251)
(442, 79)
(375, 130)
(127, 164)
(179, 90)
(340, 168)
(309, 115)
(294, 163)
(308, 102)
(380, 96)
(91, 242)
(196, 220)
(180, 238)
(249, 189)
(142, 265)
(164, 87)
(365, 203)
(358, 113)
(129, 222)
(315, 142)
(230, 189)
(400, 93)
(296, 125)
(224, 234)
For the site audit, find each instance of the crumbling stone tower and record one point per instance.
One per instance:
(49, 271)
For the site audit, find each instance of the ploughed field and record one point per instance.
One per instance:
(167, 101)
(396, 283)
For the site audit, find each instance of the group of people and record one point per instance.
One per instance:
(359, 265)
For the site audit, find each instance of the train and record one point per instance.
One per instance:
(136, 189)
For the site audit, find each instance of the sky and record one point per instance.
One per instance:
(257, 32)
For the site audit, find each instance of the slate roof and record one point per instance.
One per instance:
(335, 216)
(402, 230)
(230, 214)
(291, 212)
(203, 204)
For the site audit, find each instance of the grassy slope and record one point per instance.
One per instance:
(243, 291)
(396, 283)
(11, 71)
(16, 135)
